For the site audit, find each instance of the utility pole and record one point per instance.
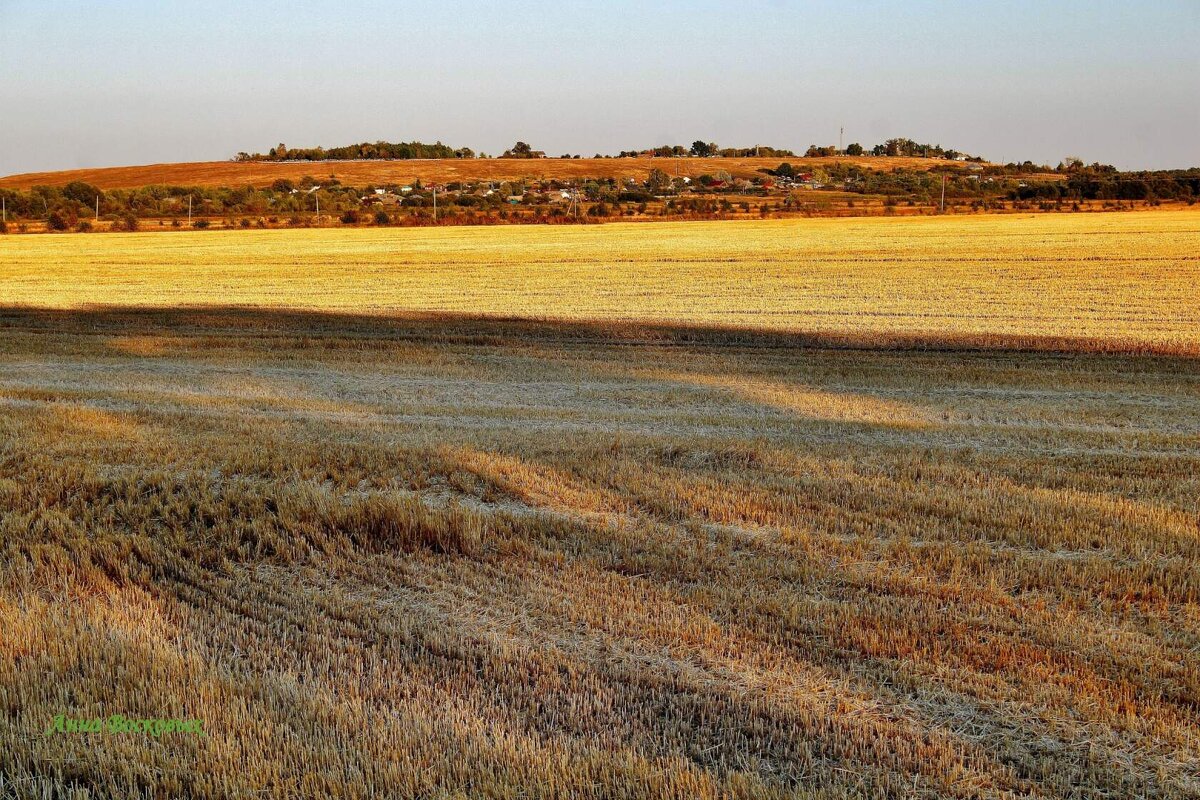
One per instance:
(317, 197)
(435, 203)
(97, 207)
(841, 134)
(943, 193)
(189, 211)
(4, 209)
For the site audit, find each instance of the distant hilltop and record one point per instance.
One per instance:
(377, 171)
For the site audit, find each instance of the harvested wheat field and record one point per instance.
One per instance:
(1117, 280)
(805, 509)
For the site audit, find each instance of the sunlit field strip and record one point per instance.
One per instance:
(1129, 279)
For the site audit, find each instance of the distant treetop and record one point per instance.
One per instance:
(523, 150)
(366, 151)
(699, 148)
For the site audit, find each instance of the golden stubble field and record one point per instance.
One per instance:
(1125, 280)
(940, 540)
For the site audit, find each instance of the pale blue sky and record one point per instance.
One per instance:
(90, 84)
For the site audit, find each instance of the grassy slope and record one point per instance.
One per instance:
(361, 173)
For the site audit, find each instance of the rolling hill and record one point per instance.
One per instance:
(261, 173)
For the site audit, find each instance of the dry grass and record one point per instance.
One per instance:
(361, 173)
(435, 555)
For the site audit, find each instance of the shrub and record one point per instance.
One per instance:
(382, 218)
(129, 223)
(201, 224)
(84, 226)
(56, 222)
(350, 217)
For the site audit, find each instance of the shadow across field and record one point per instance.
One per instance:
(995, 392)
(444, 327)
(403, 556)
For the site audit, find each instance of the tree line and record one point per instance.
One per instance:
(894, 148)
(365, 151)
(77, 205)
(1103, 184)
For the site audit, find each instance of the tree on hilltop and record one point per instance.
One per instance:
(523, 150)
